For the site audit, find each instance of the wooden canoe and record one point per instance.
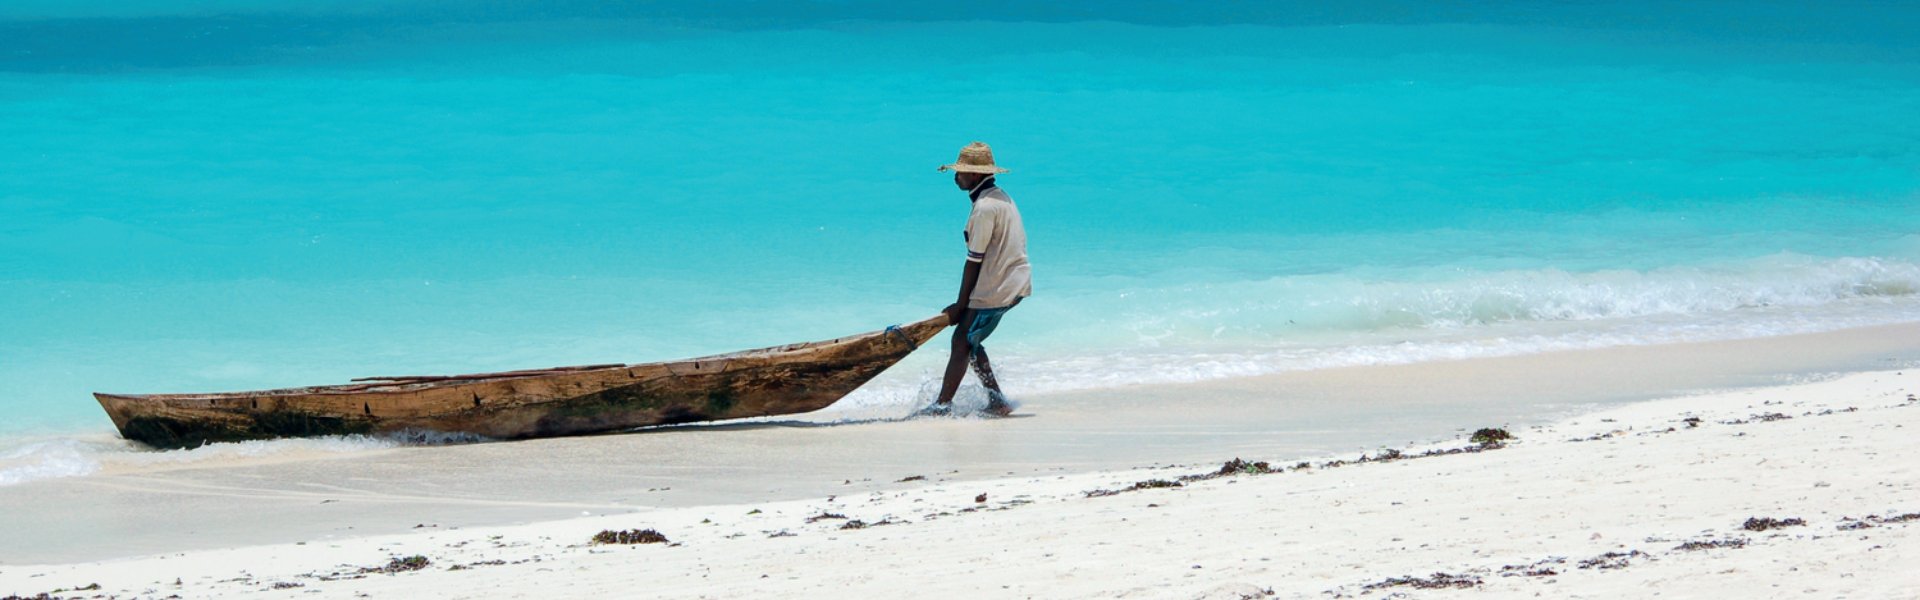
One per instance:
(561, 401)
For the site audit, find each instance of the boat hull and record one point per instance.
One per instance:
(781, 380)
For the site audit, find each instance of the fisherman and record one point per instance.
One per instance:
(994, 281)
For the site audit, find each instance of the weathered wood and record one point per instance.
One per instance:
(789, 379)
(495, 375)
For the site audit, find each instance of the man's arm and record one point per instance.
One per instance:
(969, 276)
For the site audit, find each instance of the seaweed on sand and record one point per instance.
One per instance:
(1871, 521)
(400, 565)
(859, 524)
(1487, 436)
(92, 587)
(1241, 467)
(1712, 544)
(1228, 469)
(1137, 486)
(1611, 560)
(1764, 418)
(1542, 568)
(1766, 523)
(1483, 440)
(1430, 582)
(630, 536)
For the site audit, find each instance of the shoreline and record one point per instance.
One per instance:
(1656, 493)
(324, 497)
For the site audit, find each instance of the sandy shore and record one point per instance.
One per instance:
(236, 499)
(1628, 501)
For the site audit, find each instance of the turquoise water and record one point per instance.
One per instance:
(219, 195)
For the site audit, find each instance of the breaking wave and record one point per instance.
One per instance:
(1246, 329)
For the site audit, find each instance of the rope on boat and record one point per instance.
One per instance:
(895, 330)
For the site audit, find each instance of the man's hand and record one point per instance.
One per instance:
(954, 312)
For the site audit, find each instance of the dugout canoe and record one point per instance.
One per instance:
(562, 401)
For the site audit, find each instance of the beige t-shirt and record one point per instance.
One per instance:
(997, 240)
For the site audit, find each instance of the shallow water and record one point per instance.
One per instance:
(229, 194)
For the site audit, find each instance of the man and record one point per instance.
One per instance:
(995, 279)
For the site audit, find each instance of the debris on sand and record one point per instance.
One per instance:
(1766, 523)
(1229, 469)
(92, 587)
(395, 565)
(1757, 419)
(1612, 560)
(1430, 582)
(1599, 436)
(630, 536)
(1484, 440)
(1871, 521)
(1711, 544)
(1241, 467)
(825, 516)
(400, 565)
(859, 524)
(1487, 436)
(1137, 486)
(1543, 568)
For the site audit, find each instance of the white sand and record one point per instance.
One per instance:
(1644, 486)
(227, 497)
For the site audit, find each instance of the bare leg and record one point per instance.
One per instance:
(956, 361)
(996, 399)
(984, 370)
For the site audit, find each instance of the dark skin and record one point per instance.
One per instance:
(963, 353)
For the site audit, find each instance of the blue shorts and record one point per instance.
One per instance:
(983, 322)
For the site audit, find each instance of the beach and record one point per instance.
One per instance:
(1621, 496)
(1671, 249)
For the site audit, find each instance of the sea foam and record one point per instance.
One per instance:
(54, 457)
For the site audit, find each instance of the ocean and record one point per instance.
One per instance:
(210, 195)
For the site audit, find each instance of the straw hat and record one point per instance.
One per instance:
(975, 158)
